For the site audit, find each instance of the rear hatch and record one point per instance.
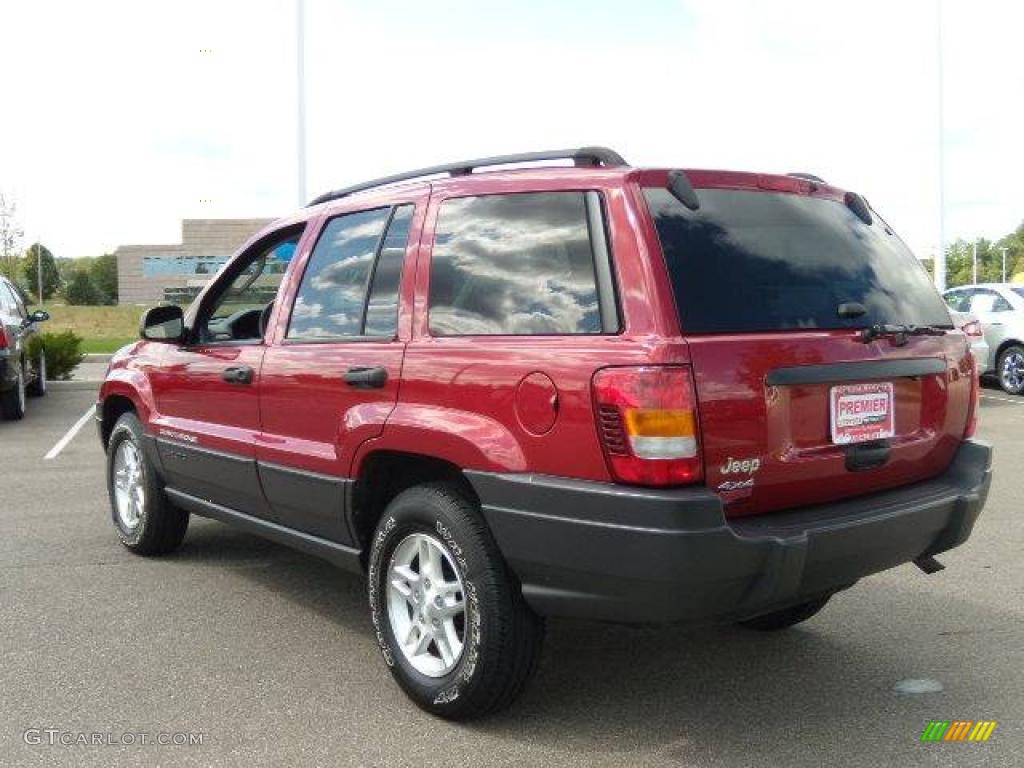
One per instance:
(776, 280)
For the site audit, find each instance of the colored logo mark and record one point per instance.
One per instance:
(958, 730)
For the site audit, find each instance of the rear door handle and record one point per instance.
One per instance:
(366, 378)
(238, 375)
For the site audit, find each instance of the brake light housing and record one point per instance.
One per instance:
(973, 329)
(4, 341)
(647, 421)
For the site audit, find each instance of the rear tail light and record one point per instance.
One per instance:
(647, 419)
(973, 328)
(4, 341)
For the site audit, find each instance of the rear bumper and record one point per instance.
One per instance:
(8, 373)
(982, 354)
(602, 551)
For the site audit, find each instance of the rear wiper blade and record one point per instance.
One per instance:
(900, 331)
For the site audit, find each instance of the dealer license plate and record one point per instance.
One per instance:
(861, 412)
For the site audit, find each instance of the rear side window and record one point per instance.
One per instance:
(515, 264)
(335, 298)
(760, 261)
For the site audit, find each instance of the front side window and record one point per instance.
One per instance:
(240, 310)
(514, 264)
(350, 287)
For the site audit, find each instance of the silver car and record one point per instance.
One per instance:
(999, 307)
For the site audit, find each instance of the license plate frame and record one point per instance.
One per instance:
(861, 412)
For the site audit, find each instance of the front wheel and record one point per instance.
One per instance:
(38, 386)
(145, 520)
(449, 617)
(1010, 368)
(787, 617)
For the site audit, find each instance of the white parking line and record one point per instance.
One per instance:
(69, 435)
(1003, 399)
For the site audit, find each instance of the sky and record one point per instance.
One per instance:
(119, 119)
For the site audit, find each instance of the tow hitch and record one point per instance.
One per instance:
(929, 564)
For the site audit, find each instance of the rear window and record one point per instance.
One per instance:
(760, 261)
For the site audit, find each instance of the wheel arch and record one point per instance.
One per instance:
(122, 394)
(383, 474)
(1004, 345)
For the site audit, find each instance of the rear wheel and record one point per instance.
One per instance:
(145, 521)
(787, 617)
(38, 386)
(12, 402)
(1010, 369)
(449, 616)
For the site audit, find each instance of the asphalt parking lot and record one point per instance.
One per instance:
(268, 653)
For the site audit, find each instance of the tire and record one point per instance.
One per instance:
(1010, 369)
(149, 524)
(38, 386)
(500, 636)
(787, 617)
(12, 402)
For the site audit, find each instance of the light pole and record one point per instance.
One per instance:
(940, 258)
(39, 270)
(1003, 249)
(974, 264)
(300, 71)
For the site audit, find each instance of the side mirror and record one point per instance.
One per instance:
(39, 316)
(163, 323)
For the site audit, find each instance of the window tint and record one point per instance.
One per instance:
(382, 307)
(760, 261)
(333, 293)
(12, 300)
(518, 264)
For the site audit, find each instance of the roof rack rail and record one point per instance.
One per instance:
(595, 156)
(808, 177)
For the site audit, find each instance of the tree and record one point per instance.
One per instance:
(10, 235)
(51, 275)
(81, 290)
(103, 272)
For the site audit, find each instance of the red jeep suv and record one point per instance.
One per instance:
(505, 393)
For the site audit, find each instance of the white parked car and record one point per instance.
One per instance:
(999, 307)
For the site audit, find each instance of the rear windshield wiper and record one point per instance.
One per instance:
(900, 331)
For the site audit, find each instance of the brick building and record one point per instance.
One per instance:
(148, 274)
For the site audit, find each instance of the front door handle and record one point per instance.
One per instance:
(241, 374)
(366, 378)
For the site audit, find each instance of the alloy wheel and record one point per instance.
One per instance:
(1011, 374)
(129, 487)
(426, 604)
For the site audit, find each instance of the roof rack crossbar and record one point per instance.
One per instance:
(595, 156)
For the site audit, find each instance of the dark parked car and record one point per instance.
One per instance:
(639, 395)
(20, 373)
